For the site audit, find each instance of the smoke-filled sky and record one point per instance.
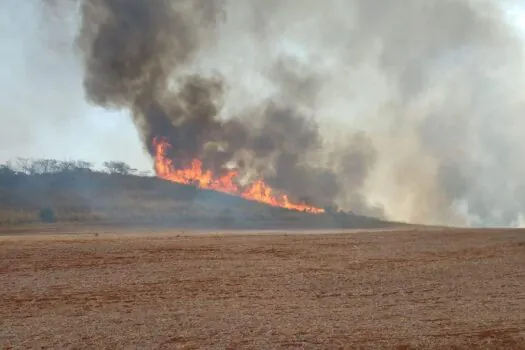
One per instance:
(419, 105)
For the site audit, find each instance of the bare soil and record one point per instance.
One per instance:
(380, 289)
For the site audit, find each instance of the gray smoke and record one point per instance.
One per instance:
(409, 110)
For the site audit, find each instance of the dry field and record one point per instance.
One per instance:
(393, 290)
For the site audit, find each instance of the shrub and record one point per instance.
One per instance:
(47, 215)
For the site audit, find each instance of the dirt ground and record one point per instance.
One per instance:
(393, 290)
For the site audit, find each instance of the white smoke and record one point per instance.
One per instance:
(439, 86)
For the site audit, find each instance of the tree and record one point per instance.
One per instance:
(75, 166)
(119, 168)
(26, 166)
(49, 166)
(82, 165)
(45, 166)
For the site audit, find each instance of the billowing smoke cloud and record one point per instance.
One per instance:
(136, 55)
(411, 110)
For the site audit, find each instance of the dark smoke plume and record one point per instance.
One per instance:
(136, 52)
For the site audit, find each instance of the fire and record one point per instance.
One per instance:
(195, 174)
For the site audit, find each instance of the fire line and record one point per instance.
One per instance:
(195, 174)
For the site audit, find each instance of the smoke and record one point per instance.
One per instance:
(408, 110)
(136, 56)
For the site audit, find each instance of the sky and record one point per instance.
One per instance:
(516, 15)
(42, 105)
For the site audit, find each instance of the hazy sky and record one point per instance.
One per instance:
(42, 104)
(41, 96)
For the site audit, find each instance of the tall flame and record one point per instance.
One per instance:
(257, 191)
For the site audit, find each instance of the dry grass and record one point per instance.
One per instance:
(17, 217)
(411, 289)
(99, 198)
(13, 217)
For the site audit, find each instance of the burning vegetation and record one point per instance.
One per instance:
(195, 174)
(67, 192)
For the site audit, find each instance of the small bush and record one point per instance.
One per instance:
(47, 215)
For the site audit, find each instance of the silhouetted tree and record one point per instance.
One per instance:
(75, 166)
(26, 166)
(49, 166)
(82, 165)
(119, 168)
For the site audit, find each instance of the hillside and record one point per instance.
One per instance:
(87, 196)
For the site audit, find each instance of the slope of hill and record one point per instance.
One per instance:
(86, 196)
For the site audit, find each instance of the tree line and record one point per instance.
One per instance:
(30, 166)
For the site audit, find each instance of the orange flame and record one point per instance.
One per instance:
(258, 191)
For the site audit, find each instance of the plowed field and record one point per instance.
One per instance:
(383, 289)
